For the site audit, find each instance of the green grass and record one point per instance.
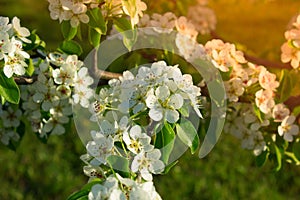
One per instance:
(53, 171)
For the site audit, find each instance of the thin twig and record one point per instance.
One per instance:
(101, 74)
(25, 80)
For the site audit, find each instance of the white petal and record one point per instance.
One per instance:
(151, 101)
(157, 166)
(162, 92)
(146, 175)
(288, 137)
(154, 155)
(176, 101)
(8, 71)
(172, 116)
(135, 132)
(156, 114)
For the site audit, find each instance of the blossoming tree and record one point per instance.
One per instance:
(174, 92)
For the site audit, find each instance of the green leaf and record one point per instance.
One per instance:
(71, 47)
(130, 38)
(83, 193)
(94, 37)
(97, 21)
(36, 42)
(119, 164)
(124, 27)
(278, 156)
(68, 31)
(226, 75)
(3, 100)
(188, 134)
(296, 111)
(165, 141)
(9, 89)
(184, 110)
(257, 113)
(122, 24)
(262, 158)
(296, 149)
(170, 166)
(286, 86)
(30, 68)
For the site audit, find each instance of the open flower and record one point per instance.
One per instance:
(54, 125)
(137, 141)
(21, 32)
(64, 75)
(287, 129)
(4, 24)
(100, 147)
(7, 135)
(280, 111)
(163, 104)
(264, 100)
(267, 80)
(11, 118)
(234, 89)
(289, 54)
(134, 9)
(82, 96)
(147, 163)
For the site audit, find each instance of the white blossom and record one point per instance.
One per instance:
(288, 129)
(147, 163)
(136, 141)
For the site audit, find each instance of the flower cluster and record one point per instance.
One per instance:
(76, 11)
(129, 113)
(245, 82)
(47, 103)
(9, 121)
(202, 17)
(290, 49)
(111, 189)
(12, 36)
(62, 80)
(73, 11)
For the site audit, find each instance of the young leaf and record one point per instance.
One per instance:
(124, 27)
(165, 141)
(262, 158)
(83, 193)
(188, 134)
(170, 166)
(296, 111)
(9, 89)
(122, 24)
(68, 31)
(278, 157)
(30, 68)
(184, 110)
(97, 21)
(286, 86)
(71, 47)
(119, 164)
(296, 150)
(257, 113)
(94, 37)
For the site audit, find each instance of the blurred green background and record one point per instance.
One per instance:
(53, 171)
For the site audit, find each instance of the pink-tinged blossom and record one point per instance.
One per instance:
(280, 111)
(289, 54)
(264, 100)
(267, 80)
